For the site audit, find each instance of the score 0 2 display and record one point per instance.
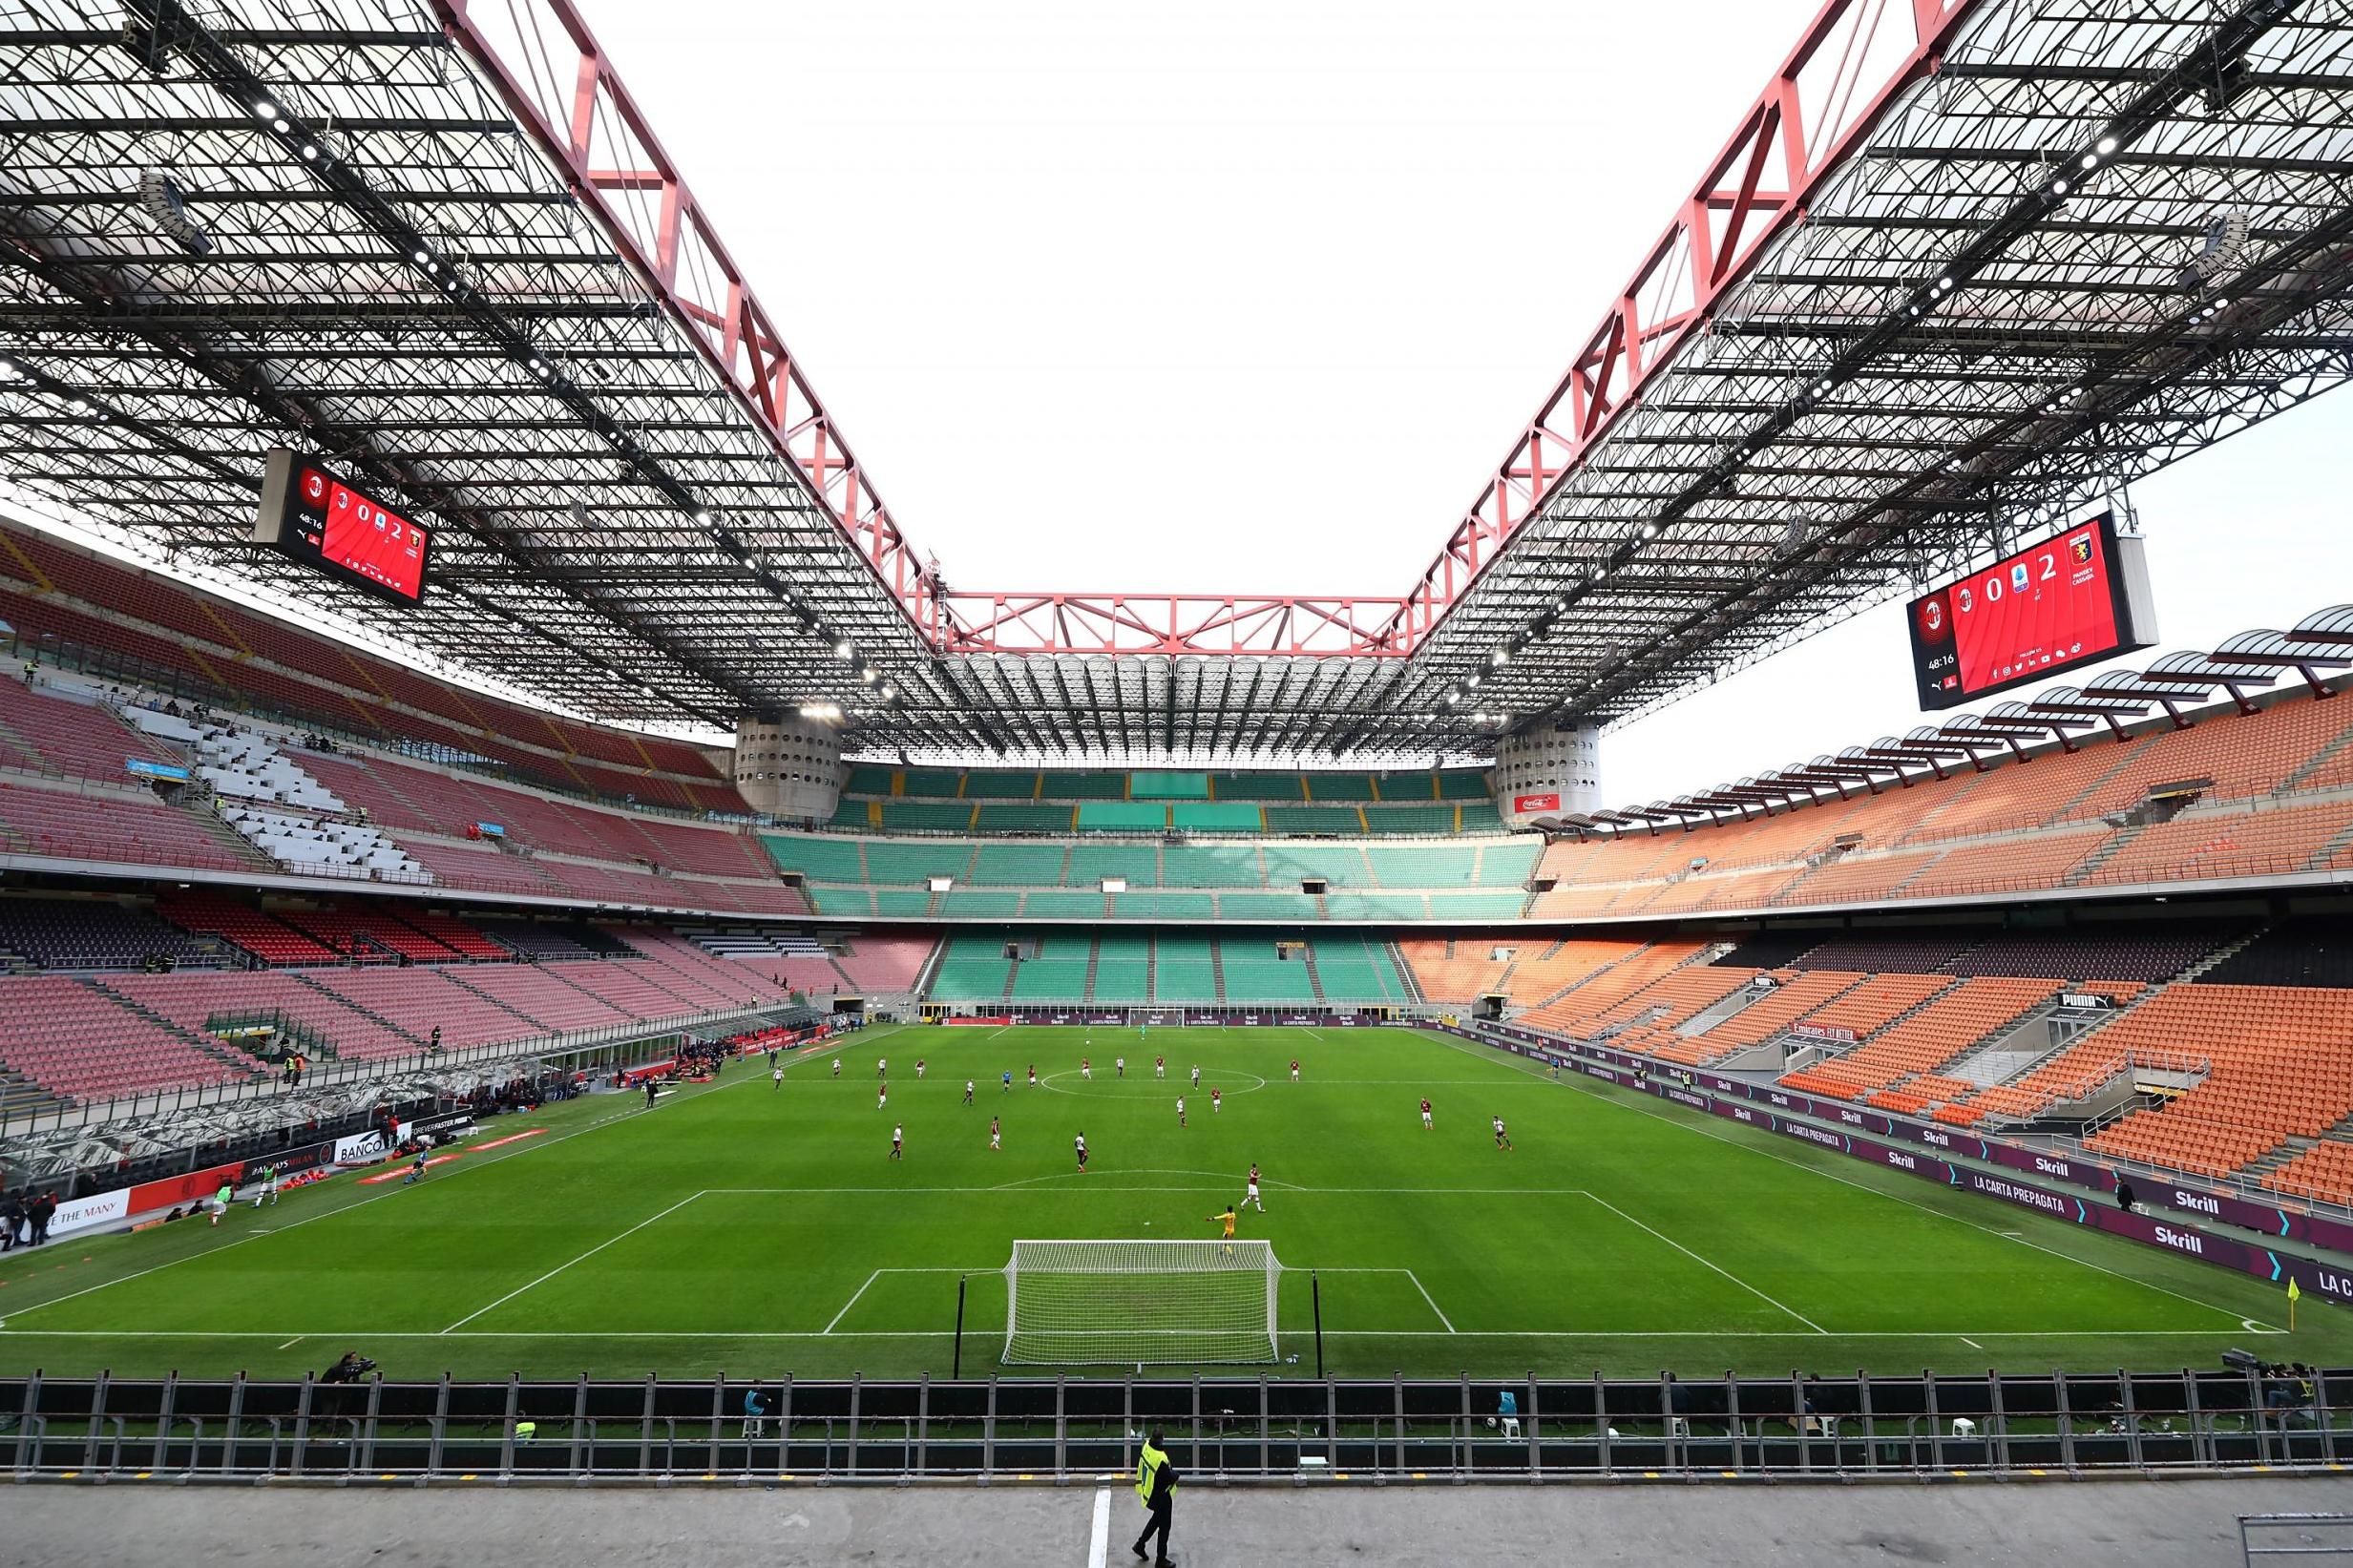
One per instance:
(312, 515)
(2076, 598)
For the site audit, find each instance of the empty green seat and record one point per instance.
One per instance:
(1002, 785)
(1462, 784)
(1256, 787)
(1052, 906)
(820, 860)
(933, 782)
(926, 816)
(1023, 817)
(1018, 865)
(1091, 864)
(1509, 865)
(1084, 787)
(1121, 816)
(1309, 821)
(902, 862)
(1340, 786)
(1216, 816)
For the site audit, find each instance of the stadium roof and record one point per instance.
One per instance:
(1962, 267)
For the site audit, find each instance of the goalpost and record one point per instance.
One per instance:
(1105, 1303)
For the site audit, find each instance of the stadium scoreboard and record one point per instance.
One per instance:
(330, 524)
(2078, 598)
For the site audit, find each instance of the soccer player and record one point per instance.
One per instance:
(1294, 1069)
(1425, 1114)
(1119, 1065)
(1033, 1074)
(1217, 1100)
(919, 1069)
(1160, 1067)
(1252, 1196)
(882, 1094)
(1081, 1146)
(882, 1068)
(1502, 1138)
(1196, 1077)
(898, 1142)
(1086, 1069)
(228, 1194)
(1006, 1088)
(652, 1089)
(968, 1091)
(417, 1170)
(776, 1077)
(269, 1187)
(1226, 1217)
(837, 1067)
(995, 1134)
(1180, 1110)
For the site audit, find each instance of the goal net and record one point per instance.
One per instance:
(1102, 1303)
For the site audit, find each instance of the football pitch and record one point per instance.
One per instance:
(758, 1230)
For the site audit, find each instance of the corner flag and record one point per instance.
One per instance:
(2294, 1295)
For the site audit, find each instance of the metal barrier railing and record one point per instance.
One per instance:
(2265, 1536)
(1217, 1430)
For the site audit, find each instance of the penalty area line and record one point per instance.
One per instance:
(561, 1266)
(1704, 1262)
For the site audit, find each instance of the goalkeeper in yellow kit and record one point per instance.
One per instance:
(1226, 1219)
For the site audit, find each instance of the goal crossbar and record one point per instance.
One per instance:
(1105, 1303)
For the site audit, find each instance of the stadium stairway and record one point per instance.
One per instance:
(360, 1008)
(1217, 972)
(211, 1047)
(1094, 956)
(1406, 977)
(2317, 761)
(2085, 868)
(1314, 981)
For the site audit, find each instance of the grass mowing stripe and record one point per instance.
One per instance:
(1718, 1268)
(561, 1266)
(826, 1261)
(1586, 1086)
(362, 1201)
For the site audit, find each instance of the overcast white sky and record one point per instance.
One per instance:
(1249, 296)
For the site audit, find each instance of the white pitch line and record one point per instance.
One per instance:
(485, 1163)
(582, 1258)
(1099, 1533)
(1425, 1296)
(1706, 1131)
(296, 1340)
(1720, 1269)
(1971, 1342)
(851, 1301)
(1908, 1334)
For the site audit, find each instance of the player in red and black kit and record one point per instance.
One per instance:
(1294, 1069)
(1425, 1114)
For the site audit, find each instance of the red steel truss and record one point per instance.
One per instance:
(1271, 625)
(556, 79)
(1827, 95)
(1851, 63)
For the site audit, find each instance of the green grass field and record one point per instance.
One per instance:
(753, 1230)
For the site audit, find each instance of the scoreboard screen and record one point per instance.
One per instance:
(2076, 598)
(324, 521)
